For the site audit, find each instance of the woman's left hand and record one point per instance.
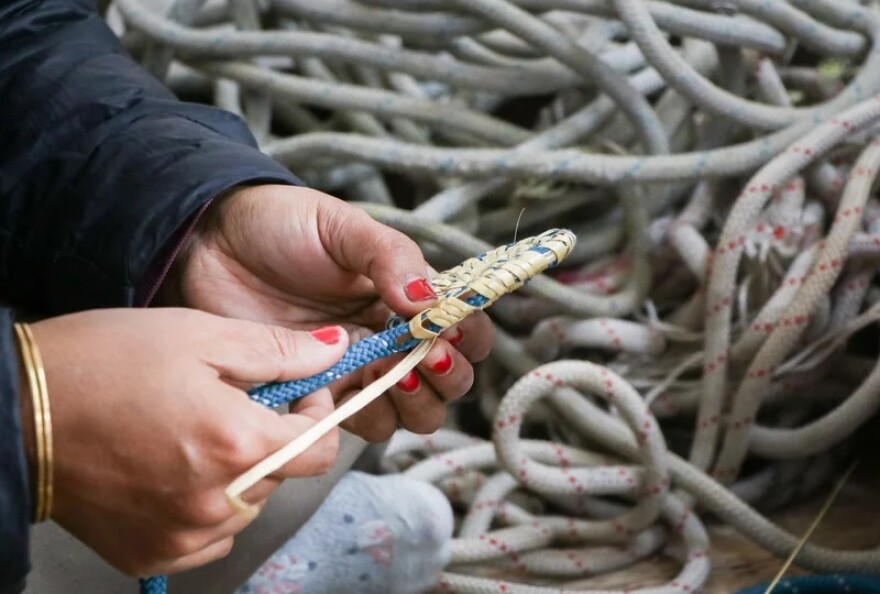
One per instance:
(302, 259)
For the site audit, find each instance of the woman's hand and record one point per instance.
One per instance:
(151, 422)
(300, 258)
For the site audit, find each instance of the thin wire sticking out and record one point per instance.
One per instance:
(518, 219)
(825, 507)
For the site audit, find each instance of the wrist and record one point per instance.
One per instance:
(163, 284)
(173, 265)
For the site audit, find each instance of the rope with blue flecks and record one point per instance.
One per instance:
(471, 286)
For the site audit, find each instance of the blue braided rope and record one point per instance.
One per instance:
(363, 352)
(852, 583)
(375, 347)
(154, 585)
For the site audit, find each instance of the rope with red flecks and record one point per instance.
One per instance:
(727, 281)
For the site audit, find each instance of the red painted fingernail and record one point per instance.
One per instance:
(410, 382)
(327, 334)
(456, 338)
(418, 289)
(443, 365)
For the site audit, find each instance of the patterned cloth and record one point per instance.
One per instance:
(372, 535)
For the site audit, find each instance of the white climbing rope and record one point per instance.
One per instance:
(717, 161)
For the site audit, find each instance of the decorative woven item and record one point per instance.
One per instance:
(471, 286)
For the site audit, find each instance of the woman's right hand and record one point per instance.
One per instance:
(151, 422)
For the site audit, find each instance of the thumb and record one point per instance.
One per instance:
(258, 353)
(387, 257)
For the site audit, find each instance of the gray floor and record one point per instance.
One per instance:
(61, 565)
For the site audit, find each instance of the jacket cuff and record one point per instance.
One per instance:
(167, 257)
(161, 266)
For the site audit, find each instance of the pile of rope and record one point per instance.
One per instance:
(717, 161)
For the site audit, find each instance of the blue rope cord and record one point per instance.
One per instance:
(361, 353)
(388, 342)
(377, 346)
(154, 585)
(854, 583)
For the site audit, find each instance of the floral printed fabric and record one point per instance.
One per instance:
(382, 535)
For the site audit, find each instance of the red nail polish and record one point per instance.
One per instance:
(419, 289)
(410, 382)
(456, 338)
(443, 365)
(327, 334)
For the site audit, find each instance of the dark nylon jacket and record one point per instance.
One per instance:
(100, 168)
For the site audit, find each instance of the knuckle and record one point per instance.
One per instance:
(458, 383)
(479, 333)
(322, 456)
(348, 221)
(207, 510)
(284, 341)
(398, 246)
(380, 429)
(466, 382)
(428, 422)
(327, 456)
(482, 350)
(236, 449)
(223, 548)
(175, 545)
(319, 460)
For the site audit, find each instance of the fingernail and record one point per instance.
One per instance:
(443, 365)
(410, 382)
(327, 334)
(418, 289)
(456, 338)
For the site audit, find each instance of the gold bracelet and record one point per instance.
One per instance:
(38, 421)
(47, 424)
(42, 421)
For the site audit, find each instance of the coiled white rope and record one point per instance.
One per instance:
(716, 160)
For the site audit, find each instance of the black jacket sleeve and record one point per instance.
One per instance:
(99, 163)
(14, 497)
(99, 167)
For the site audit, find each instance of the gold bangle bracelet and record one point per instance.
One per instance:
(33, 365)
(36, 405)
(47, 424)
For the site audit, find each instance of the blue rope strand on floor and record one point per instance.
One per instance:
(823, 584)
(154, 585)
